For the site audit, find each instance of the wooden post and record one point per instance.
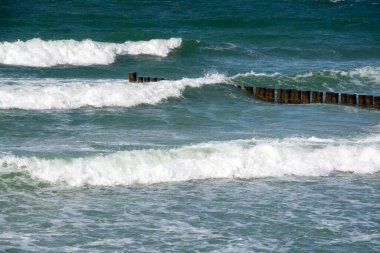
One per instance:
(328, 98)
(140, 79)
(249, 90)
(344, 98)
(238, 86)
(352, 99)
(335, 97)
(368, 101)
(295, 96)
(317, 97)
(376, 102)
(287, 96)
(132, 77)
(154, 79)
(146, 79)
(270, 95)
(258, 92)
(279, 96)
(306, 97)
(332, 97)
(161, 79)
(361, 100)
(263, 93)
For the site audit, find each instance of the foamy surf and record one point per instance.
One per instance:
(245, 159)
(365, 79)
(41, 53)
(369, 73)
(46, 94)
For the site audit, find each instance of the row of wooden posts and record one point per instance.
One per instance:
(133, 78)
(293, 96)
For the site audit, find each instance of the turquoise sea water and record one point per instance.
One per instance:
(92, 163)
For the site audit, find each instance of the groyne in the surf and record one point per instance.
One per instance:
(294, 96)
(133, 78)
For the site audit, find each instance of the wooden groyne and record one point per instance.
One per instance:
(133, 78)
(294, 96)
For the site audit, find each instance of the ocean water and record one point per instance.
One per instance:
(92, 163)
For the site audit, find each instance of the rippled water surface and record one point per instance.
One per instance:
(90, 162)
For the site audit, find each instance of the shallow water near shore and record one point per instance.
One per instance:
(90, 162)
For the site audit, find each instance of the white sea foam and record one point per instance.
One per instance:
(365, 79)
(223, 47)
(230, 159)
(43, 94)
(259, 74)
(369, 72)
(40, 53)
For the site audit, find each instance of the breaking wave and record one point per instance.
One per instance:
(51, 93)
(45, 94)
(40, 53)
(215, 160)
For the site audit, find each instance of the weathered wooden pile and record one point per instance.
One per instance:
(294, 96)
(133, 78)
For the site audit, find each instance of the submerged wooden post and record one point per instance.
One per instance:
(376, 102)
(306, 97)
(132, 77)
(238, 86)
(352, 99)
(154, 79)
(146, 79)
(279, 96)
(249, 90)
(161, 79)
(317, 97)
(361, 100)
(368, 101)
(270, 95)
(287, 96)
(344, 98)
(140, 79)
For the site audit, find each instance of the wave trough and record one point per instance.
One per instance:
(215, 160)
(40, 53)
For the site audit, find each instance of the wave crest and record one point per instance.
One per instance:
(40, 53)
(230, 159)
(46, 94)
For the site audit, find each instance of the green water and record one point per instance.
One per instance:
(92, 163)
